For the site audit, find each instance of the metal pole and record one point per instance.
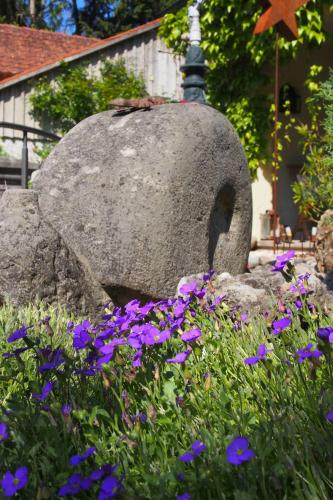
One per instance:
(25, 161)
(276, 151)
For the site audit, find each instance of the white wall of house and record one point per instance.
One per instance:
(294, 73)
(261, 198)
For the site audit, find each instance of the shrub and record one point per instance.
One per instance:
(314, 192)
(75, 94)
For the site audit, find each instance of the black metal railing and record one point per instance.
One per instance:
(25, 154)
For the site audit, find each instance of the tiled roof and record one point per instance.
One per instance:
(24, 48)
(25, 52)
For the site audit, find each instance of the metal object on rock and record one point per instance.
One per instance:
(194, 67)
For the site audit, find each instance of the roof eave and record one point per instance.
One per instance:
(44, 69)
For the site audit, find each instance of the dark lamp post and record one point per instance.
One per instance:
(194, 67)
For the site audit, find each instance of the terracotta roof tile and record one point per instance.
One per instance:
(24, 48)
(24, 51)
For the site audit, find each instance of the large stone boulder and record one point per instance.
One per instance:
(34, 261)
(146, 197)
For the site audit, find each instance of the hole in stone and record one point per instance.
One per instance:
(121, 295)
(220, 220)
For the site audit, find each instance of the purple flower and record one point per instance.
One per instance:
(66, 411)
(104, 359)
(238, 451)
(109, 488)
(18, 334)
(81, 335)
(188, 288)
(261, 354)
(137, 359)
(70, 326)
(184, 496)
(75, 483)
(13, 483)
(107, 349)
(181, 357)
(197, 448)
(15, 353)
(45, 392)
(191, 335)
(208, 276)
(280, 325)
(3, 431)
(325, 333)
(329, 416)
(180, 309)
(134, 340)
(157, 337)
(132, 306)
(216, 302)
(77, 459)
(106, 469)
(81, 340)
(308, 352)
(282, 260)
(55, 359)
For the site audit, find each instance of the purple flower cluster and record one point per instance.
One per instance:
(261, 354)
(53, 359)
(137, 326)
(197, 448)
(76, 483)
(308, 352)
(301, 287)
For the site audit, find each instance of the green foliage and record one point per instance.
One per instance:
(279, 404)
(131, 13)
(2, 151)
(241, 64)
(314, 192)
(102, 18)
(49, 14)
(75, 94)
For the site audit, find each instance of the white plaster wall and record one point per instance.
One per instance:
(261, 198)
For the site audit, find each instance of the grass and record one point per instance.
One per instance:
(144, 418)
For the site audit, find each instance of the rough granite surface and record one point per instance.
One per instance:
(146, 197)
(34, 261)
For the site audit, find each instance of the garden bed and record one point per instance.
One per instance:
(184, 398)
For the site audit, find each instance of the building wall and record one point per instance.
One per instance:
(145, 53)
(294, 73)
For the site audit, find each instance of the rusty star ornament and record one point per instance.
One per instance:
(280, 10)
